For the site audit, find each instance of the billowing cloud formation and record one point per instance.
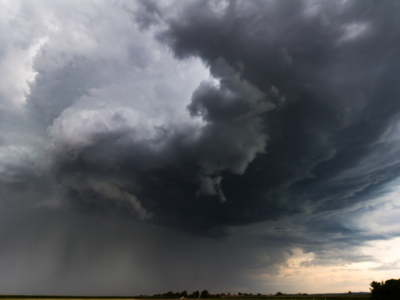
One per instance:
(259, 129)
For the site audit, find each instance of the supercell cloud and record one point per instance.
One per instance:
(245, 146)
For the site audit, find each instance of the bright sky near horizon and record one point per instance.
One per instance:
(234, 146)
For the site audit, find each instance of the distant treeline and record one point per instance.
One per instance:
(206, 294)
(184, 294)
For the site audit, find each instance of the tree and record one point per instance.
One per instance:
(196, 294)
(388, 290)
(169, 294)
(205, 294)
(184, 294)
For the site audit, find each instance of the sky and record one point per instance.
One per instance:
(234, 146)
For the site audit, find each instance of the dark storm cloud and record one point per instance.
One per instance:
(301, 97)
(336, 69)
(142, 153)
(288, 144)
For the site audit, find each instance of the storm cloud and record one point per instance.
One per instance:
(149, 139)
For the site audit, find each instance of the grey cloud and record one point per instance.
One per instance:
(394, 265)
(211, 186)
(148, 14)
(92, 189)
(234, 133)
(344, 258)
(16, 164)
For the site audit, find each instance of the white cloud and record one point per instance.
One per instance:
(353, 31)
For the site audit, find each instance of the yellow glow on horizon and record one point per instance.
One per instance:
(355, 277)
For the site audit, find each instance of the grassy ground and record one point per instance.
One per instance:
(344, 297)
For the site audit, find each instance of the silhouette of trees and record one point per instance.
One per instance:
(388, 290)
(205, 294)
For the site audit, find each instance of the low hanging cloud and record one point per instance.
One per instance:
(394, 265)
(234, 133)
(211, 186)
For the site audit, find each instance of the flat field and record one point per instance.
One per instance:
(344, 297)
(295, 297)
